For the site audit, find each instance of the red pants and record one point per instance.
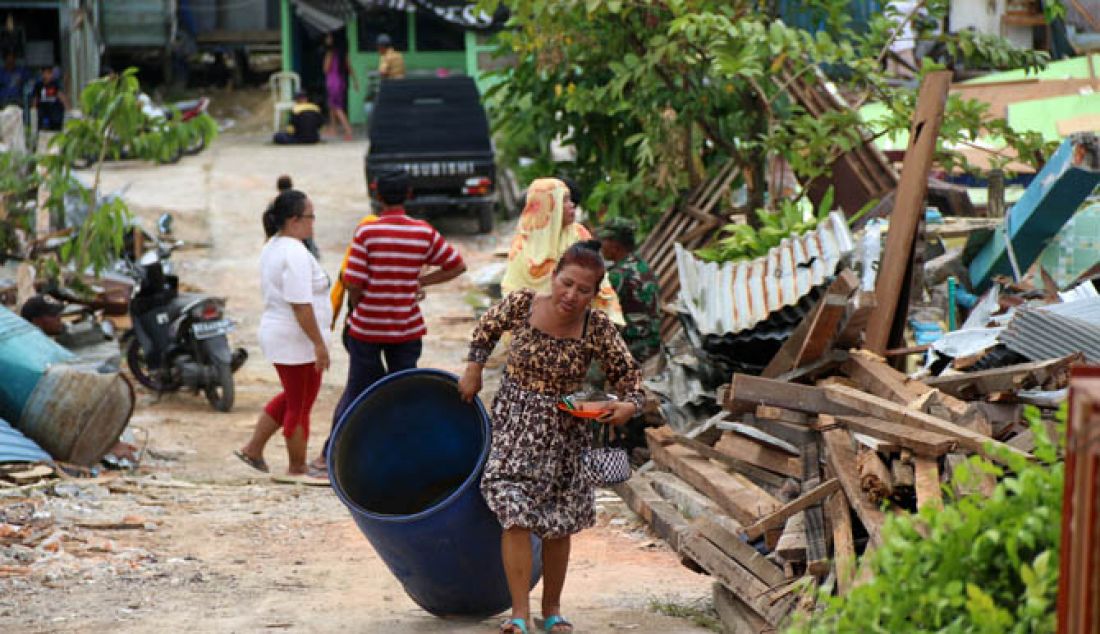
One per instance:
(292, 406)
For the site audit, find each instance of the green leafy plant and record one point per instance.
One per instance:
(737, 242)
(654, 96)
(981, 564)
(112, 119)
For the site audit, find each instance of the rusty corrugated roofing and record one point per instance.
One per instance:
(735, 296)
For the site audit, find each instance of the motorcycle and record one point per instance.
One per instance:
(178, 340)
(187, 133)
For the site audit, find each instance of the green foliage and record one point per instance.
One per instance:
(654, 96)
(982, 564)
(737, 242)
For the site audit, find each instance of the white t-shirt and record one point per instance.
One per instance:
(289, 274)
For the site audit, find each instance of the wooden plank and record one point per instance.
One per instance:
(661, 516)
(762, 437)
(1049, 374)
(748, 469)
(844, 550)
(881, 408)
(710, 558)
(891, 280)
(735, 494)
(817, 550)
(815, 496)
(922, 443)
(842, 459)
(860, 310)
(927, 474)
(746, 392)
(812, 336)
(792, 433)
(792, 543)
(735, 614)
(741, 552)
(875, 376)
(769, 412)
(874, 478)
(746, 450)
(877, 444)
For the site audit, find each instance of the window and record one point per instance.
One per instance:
(434, 34)
(374, 22)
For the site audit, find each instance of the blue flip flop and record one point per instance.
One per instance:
(549, 624)
(511, 624)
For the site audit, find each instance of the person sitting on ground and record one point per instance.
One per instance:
(306, 121)
(50, 101)
(45, 313)
(636, 287)
(533, 479)
(391, 64)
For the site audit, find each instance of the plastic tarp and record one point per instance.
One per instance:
(15, 447)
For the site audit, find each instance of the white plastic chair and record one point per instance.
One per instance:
(284, 85)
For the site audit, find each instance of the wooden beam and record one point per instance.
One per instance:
(817, 550)
(881, 408)
(735, 494)
(710, 558)
(922, 443)
(662, 517)
(815, 496)
(813, 335)
(844, 550)
(927, 474)
(746, 392)
(769, 412)
(745, 450)
(741, 552)
(735, 614)
(746, 468)
(838, 445)
(1051, 374)
(891, 280)
(859, 315)
(792, 543)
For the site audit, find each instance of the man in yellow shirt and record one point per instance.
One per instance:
(391, 64)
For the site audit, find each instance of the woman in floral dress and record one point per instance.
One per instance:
(533, 479)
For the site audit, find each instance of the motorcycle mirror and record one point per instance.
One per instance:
(164, 224)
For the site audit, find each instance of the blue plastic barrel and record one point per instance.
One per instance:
(406, 458)
(25, 353)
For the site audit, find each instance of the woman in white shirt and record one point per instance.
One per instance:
(295, 293)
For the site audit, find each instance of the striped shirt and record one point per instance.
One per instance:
(386, 259)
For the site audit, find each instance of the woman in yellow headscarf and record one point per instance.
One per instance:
(547, 227)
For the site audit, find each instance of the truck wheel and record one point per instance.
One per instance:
(485, 219)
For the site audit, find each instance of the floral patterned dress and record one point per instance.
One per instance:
(533, 476)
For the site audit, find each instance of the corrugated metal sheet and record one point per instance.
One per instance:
(735, 296)
(1055, 331)
(15, 447)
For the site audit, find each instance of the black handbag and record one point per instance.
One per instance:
(603, 465)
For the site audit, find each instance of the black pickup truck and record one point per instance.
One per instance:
(435, 129)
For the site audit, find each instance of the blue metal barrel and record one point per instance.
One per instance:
(406, 458)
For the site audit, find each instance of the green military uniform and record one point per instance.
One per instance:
(638, 293)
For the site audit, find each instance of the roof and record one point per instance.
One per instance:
(15, 447)
(734, 296)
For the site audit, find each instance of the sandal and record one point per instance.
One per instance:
(259, 464)
(557, 620)
(512, 626)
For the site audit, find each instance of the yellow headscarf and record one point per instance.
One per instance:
(541, 240)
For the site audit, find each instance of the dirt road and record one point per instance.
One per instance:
(212, 546)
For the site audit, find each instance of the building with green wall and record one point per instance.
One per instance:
(433, 36)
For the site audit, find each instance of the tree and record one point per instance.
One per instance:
(652, 93)
(112, 119)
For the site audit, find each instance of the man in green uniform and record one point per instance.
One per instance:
(636, 286)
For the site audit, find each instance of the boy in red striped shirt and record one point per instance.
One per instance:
(383, 279)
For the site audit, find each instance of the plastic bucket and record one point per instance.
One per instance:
(406, 458)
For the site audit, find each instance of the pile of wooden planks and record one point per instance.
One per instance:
(792, 483)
